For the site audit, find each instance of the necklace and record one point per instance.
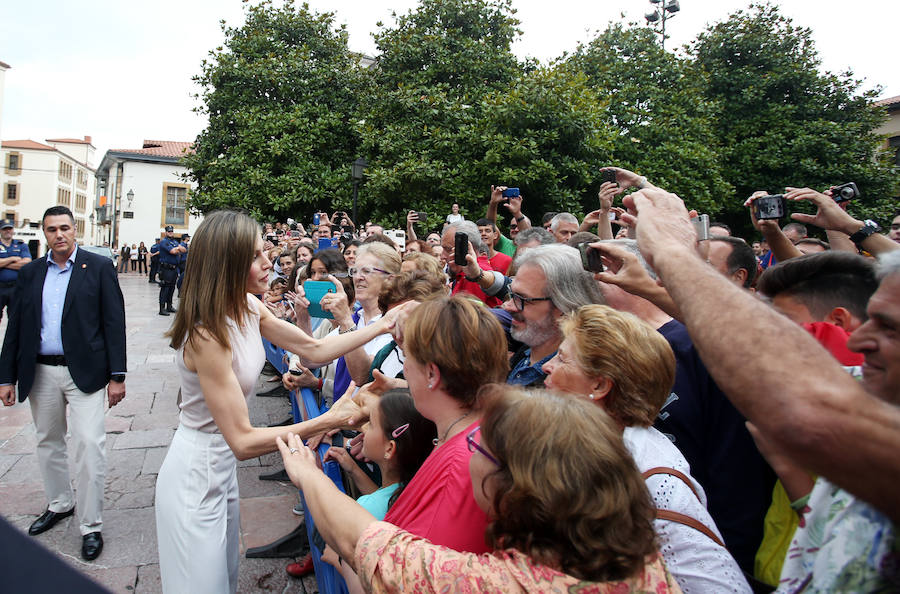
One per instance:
(436, 441)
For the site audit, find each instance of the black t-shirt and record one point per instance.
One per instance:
(710, 433)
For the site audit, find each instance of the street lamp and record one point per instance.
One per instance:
(130, 196)
(357, 172)
(667, 10)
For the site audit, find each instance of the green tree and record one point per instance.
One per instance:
(781, 122)
(281, 96)
(653, 100)
(436, 64)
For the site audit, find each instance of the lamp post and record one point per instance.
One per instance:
(130, 196)
(667, 10)
(93, 236)
(357, 172)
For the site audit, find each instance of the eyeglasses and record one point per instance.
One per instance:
(473, 445)
(366, 271)
(520, 302)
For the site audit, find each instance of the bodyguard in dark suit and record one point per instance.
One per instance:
(64, 343)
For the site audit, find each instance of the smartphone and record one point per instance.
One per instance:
(460, 248)
(590, 258)
(607, 175)
(511, 192)
(701, 226)
(295, 372)
(422, 216)
(315, 290)
(316, 219)
(326, 243)
(769, 207)
(295, 234)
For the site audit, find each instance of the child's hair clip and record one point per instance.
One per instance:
(399, 431)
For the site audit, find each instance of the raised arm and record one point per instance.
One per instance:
(781, 246)
(830, 216)
(795, 393)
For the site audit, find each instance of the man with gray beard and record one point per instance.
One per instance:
(550, 283)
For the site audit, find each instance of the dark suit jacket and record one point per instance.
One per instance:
(93, 325)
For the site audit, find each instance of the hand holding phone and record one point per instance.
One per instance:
(315, 290)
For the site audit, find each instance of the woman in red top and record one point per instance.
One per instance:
(453, 346)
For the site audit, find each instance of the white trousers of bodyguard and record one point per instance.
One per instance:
(54, 391)
(198, 515)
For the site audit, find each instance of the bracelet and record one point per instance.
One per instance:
(477, 278)
(520, 218)
(643, 183)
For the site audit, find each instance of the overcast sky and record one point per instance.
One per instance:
(121, 71)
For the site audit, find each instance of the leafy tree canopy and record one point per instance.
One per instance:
(281, 95)
(780, 122)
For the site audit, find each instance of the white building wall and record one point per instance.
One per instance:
(78, 151)
(147, 181)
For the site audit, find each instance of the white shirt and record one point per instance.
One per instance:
(696, 562)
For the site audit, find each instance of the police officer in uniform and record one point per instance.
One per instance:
(182, 261)
(14, 254)
(169, 250)
(154, 260)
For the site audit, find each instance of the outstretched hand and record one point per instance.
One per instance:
(299, 460)
(664, 225)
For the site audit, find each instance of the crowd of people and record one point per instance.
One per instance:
(630, 399)
(567, 404)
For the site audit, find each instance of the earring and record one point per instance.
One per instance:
(430, 385)
(591, 396)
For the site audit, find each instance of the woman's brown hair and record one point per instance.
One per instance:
(630, 353)
(463, 338)
(215, 278)
(567, 493)
(417, 285)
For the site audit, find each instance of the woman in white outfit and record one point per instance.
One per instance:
(625, 366)
(217, 334)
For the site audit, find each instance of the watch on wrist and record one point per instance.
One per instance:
(869, 227)
(117, 377)
(477, 278)
(520, 218)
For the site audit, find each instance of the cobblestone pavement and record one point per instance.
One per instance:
(138, 432)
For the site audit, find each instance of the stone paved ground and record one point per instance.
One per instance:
(139, 430)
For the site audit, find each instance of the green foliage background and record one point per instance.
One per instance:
(448, 109)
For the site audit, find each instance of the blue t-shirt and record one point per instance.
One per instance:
(377, 503)
(17, 248)
(710, 433)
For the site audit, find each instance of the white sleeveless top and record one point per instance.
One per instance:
(247, 359)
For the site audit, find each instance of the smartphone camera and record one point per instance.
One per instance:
(607, 175)
(845, 192)
(460, 248)
(590, 258)
(769, 207)
(421, 216)
(511, 193)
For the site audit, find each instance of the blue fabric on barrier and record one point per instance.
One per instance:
(327, 577)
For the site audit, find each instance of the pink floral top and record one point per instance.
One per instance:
(392, 560)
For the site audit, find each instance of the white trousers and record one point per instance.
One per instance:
(53, 390)
(198, 515)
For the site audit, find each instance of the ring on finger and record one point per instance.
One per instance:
(294, 450)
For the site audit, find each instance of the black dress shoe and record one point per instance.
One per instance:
(91, 546)
(48, 520)
(171, 309)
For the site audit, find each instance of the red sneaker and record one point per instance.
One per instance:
(300, 569)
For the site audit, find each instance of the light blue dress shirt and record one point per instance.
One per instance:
(56, 283)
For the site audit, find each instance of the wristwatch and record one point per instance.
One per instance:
(117, 377)
(520, 218)
(869, 227)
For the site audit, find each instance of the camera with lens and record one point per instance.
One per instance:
(845, 192)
